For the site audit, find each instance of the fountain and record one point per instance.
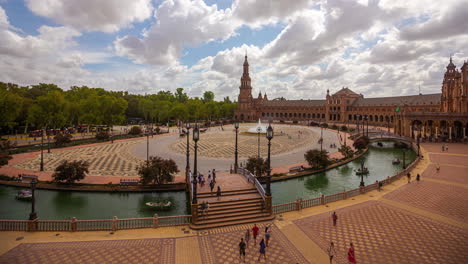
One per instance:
(259, 128)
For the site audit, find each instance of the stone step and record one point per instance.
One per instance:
(230, 219)
(224, 215)
(234, 222)
(223, 194)
(236, 207)
(230, 190)
(234, 202)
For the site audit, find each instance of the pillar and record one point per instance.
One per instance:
(450, 133)
(424, 132)
(464, 132)
(437, 132)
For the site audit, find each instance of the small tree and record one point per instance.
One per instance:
(135, 130)
(317, 158)
(5, 146)
(257, 165)
(335, 127)
(346, 151)
(102, 135)
(157, 171)
(344, 128)
(62, 139)
(361, 142)
(324, 125)
(70, 171)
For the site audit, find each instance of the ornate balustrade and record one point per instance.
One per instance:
(251, 178)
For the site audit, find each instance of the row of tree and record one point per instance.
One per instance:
(47, 105)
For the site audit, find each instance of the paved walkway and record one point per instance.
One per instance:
(419, 222)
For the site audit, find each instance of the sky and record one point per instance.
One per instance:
(297, 49)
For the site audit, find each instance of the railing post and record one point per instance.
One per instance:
(73, 224)
(298, 204)
(32, 225)
(345, 195)
(194, 213)
(268, 205)
(362, 189)
(114, 223)
(322, 200)
(155, 221)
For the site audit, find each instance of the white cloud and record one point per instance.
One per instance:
(91, 15)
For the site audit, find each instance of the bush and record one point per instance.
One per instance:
(361, 142)
(256, 165)
(70, 171)
(62, 139)
(324, 125)
(317, 158)
(352, 129)
(157, 171)
(335, 127)
(135, 130)
(346, 151)
(157, 130)
(102, 135)
(344, 128)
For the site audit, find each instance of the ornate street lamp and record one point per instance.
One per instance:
(42, 151)
(269, 136)
(362, 175)
(147, 147)
(321, 137)
(196, 137)
(33, 215)
(258, 151)
(236, 126)
(187, 166)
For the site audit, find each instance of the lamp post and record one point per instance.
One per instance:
(42, 151)
(33, 215)
(404, 157)
(321, 137)
(196, 137)
(187, 166)
(269, 136)
(147, 148)
(362, 175)
(236, 126)
(357, 123)
(418, 142)
(366, 118)
(259, 129)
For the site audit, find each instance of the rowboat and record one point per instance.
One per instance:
(24, 195)
(165, 205)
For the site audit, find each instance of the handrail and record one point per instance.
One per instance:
(251, 178)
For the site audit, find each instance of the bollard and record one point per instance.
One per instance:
(322, 200)
(73, 224)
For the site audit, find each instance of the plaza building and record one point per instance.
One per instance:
(428, 116)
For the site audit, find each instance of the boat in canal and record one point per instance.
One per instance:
(396, 161)
(163, 205)
(25, 195)
(362, 171)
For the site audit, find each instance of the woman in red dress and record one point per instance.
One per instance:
(351, 256)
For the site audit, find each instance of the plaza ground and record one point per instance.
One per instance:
(419, 222)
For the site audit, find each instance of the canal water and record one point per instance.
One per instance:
(59, 205)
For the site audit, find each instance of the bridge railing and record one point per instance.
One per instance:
(251, 178)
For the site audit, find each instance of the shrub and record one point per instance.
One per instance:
(317, 158)
(70, 171)
(334, 127)
(324, 125)
(346, 151)
(102, 135)
(344, 128)
(157, 170)
(62, 139)
(157, 130)
(361, 142)
(352, 129)
(135, 130)
(255, 165)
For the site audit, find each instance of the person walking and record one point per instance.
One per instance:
(255, 232)
(247, 237)
(351, 254)
(214, 175)
(418, 177)
(203, 208)
(443, 147)
(218, 192)
(331, 252)
(335, 218)
(262, 249)
(267, 234)
(242, 246)
(408, 175)
(212, 185)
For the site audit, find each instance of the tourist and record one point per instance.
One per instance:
(218, 192)
(262, 250)
(418, 177)
(202, 181)
(380, 186)
(351, 254)
(203, 208)
(212, 186)
(255, 232)
(214, 176)
(267, 234)
(247, 237)
(437, 168)
(443, 147)
(209, 175)
(409, 177)
(242, 246)
(335, 218)
(331, 252)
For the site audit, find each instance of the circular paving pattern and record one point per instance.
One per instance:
(219, 143)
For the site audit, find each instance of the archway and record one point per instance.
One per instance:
(457, 132)
(242, 117)
(416, 127)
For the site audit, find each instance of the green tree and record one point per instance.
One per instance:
(70, 171)
(257, 165)
(157, 171)
(50, 110)
(208, 96)
(179, 112)
(346, 151)
(62, 139)
(180, 96)
(361, 142)
(10, 107)
(317, 158)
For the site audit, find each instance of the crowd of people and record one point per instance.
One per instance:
(263, 244)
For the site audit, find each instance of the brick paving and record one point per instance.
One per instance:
(222, 246)
(444, 199)
(386, 234)
(447, 173)
(112, 251)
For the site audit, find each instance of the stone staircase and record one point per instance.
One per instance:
(237, 206)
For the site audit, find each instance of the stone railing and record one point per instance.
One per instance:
(251, 178)
(93, 225)
(324, 199)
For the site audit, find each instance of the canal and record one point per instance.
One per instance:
(58, 205)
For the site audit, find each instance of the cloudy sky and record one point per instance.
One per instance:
(296, 48)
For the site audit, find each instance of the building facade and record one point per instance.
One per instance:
(430, 116)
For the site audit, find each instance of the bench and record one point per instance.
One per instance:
(25, 178)
(296, 169)
(129, 182)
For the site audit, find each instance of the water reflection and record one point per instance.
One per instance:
(316, 183)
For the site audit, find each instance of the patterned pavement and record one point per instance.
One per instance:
(115, 251)
(385, 234)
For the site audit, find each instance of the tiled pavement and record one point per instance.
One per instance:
(455, 173)
(386, 234)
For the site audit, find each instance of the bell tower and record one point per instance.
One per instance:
(245, 95)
